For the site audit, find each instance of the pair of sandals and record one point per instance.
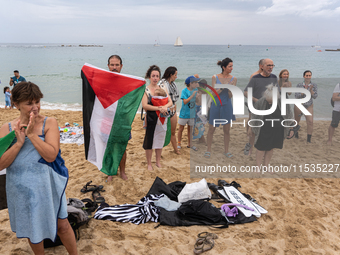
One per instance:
(97, 197)
(204, 242)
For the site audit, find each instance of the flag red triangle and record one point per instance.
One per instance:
(110, 86)
(159, 102)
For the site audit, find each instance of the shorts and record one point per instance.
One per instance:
(8, 103)
(183, 122)
(335, 119)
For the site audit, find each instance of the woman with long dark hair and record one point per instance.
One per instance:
(224, 111)
(155, 132)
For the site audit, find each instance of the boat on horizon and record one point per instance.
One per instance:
(178, 42)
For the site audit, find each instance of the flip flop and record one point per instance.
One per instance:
(193, 147)
(207, 154)
(228, 155)
(97, 197)
(203, 244)
(92, 188)
(207, 235)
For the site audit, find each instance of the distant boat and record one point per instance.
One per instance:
(178, 42)
(157, 42)
(317, 45)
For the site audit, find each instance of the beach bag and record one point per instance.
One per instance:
(78, 215)
(195, 191)
(200, 211)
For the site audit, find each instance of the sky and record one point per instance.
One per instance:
(212, 22)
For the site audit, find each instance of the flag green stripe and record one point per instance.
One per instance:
(120, 131)
(168, 133)
(6, 141)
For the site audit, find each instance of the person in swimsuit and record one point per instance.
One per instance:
(36, 176)
(224, 111)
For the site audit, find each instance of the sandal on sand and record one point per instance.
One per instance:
(179, 146)
(203, 245)
(207, 235)
(204, 242)
(92, 188)
(193, 147)
(247, 149)
(228, 155)
(97, 197)
(207, 154)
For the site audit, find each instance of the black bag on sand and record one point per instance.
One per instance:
(200, 211)
(76, 220)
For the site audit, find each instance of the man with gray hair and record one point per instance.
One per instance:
(258, 83)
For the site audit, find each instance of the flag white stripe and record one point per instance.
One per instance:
(100, 124)
(159, 134)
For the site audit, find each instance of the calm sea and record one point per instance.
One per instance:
(56, 69)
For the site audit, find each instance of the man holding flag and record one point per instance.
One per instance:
(110, 103)
(115, 64)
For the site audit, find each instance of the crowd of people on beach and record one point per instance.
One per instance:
(35, 143)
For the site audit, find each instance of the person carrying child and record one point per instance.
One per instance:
(188, 110)
(7, 93)
(156, 125)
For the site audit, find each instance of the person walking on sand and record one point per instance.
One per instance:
(313, 88)
(259, 83)
(335, 114)
(115, 64)
(16, 79)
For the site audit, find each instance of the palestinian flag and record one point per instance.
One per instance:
(158, 129)
(110, 103)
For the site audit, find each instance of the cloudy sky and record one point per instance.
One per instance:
(252, 22)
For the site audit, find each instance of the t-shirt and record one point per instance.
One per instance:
(337, 103)
(188, 111)
(259, 84)
(16, 81)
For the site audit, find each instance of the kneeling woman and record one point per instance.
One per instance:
(36, 175)
(155, 130)
(272, 133)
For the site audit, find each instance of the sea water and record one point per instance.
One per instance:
(56, 68)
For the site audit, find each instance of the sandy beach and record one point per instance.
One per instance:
(303, 214)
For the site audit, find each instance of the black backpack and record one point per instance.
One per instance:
(90, 206)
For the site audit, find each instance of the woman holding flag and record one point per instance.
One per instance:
(36, 174)
(156, 126)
